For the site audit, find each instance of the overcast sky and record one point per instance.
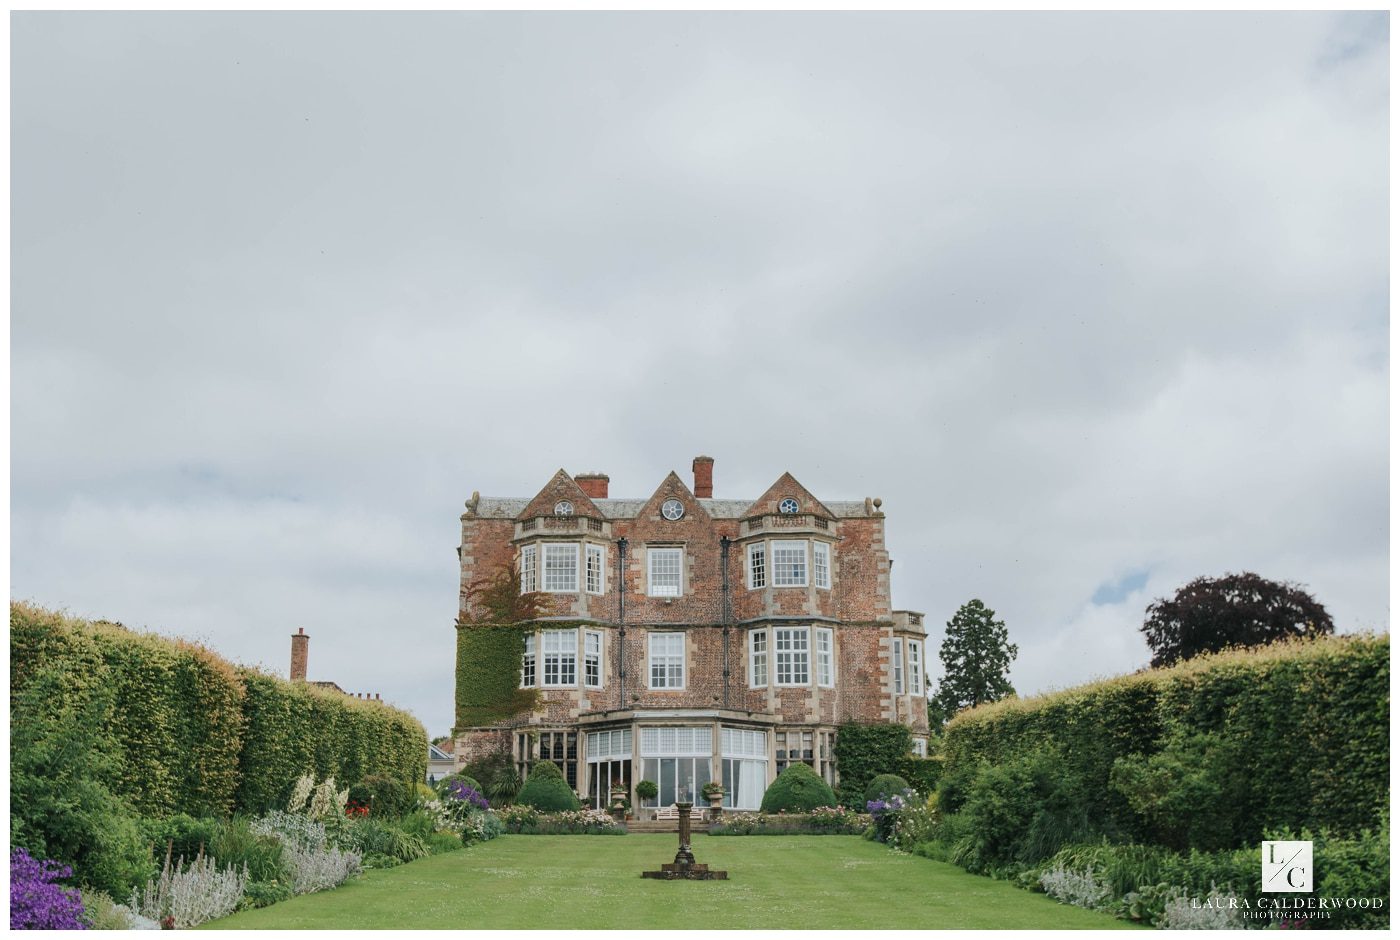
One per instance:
(1095, 303)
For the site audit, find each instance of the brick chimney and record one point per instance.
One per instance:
(300, 639)
(704, 468)
(594, 484)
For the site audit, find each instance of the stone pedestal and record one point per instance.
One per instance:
(685, 867)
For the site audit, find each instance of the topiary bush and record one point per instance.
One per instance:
(885, 785)
(798, 789)
(547, 790)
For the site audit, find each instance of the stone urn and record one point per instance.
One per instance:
(716, 797)
(617, 803)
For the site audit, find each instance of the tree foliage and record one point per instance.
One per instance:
(976, 660)
(1244, 610)
(798, 789)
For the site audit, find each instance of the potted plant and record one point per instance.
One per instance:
(646, 790)
(714, 792)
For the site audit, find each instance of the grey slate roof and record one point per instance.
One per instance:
(509, 507)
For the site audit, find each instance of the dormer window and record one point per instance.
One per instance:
(788, 506)
(563, 508)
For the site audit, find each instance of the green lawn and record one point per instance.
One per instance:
(594, 882)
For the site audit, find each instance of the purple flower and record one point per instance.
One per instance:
(458, 790)
(36, 902)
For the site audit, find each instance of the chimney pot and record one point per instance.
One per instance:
(704, 468)
(300, 640)
(594, 484)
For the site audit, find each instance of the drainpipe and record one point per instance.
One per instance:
(724, 607)
(621, 623)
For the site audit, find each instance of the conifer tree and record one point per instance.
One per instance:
(976, 661)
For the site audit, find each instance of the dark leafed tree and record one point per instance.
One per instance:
(976, 660)
(1243, 609)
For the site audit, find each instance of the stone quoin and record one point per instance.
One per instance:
(686, 638)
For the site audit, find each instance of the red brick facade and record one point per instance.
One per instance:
(817, 629)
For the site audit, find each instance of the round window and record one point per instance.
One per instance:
(672, 509)
(788, 506)
(563, 508)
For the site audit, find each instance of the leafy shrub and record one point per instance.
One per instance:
(386, 798)
(518, 816)
(379, 860)
(885, 785)
(264, 894)
(500, 781)
(915, 824)
(100, 912)
(183, 836)
(647, 790)
(189, 893)
(37, 901)
(547, 790)
(236, 843)
(374, 836)
(798, 789)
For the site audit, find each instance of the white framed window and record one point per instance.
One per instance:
(916, 668)
(744, 765)
(561, 567)
(593, 569)
(527, 663)
(758, 572)
(528, 582)
(592, 659)
(664, 572)
(821, 565)
(758, 658)
(666, 660)
(826, 660)
(789, 564)
(897, 655)
(792, 657)
(559, 649)
(678, 761)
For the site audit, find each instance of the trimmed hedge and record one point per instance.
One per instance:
(1291, 735)
(547, 790)
(294, 728)
(798, 789)
(188, 732)
(884, 786)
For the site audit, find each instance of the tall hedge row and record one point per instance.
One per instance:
(293, 728)
(189, 732)
(1302, 726)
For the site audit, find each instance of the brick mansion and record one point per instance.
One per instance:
(684, 639)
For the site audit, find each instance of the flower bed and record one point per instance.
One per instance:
(824, 820)
(528, 821)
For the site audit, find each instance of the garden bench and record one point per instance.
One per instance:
(670, 812)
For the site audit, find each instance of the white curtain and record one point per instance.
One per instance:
(752, 777)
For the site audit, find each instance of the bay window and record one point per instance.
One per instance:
(560, 654)
(528, 583)
(898, 657)
(592, 659)
(826, 663)
(789, 564)
(677, 760)
(744, 767)
(916, 668)
(758, 575)
(821, 564)
(593, 569)
(561, 567)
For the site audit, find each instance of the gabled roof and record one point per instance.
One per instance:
(508, 507)
(785, 486)
(672, 488)
(560, 487)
